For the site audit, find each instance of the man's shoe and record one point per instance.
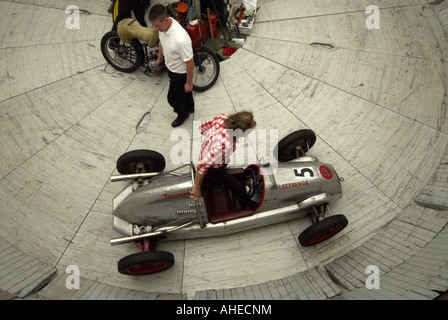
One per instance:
(178, 122)
(191, 110)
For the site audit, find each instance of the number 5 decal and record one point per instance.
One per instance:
(303, 171)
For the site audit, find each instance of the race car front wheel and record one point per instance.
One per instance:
(147, 262)
(294, 145)
(322, 230)
(140, 161)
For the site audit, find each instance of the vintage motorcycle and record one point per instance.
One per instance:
(134, 47)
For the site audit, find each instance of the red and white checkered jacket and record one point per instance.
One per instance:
(218, 146)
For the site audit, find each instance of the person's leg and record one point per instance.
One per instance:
(139, 12)
(189, 101)
(124, 11)
(237, 189)
(176, 96)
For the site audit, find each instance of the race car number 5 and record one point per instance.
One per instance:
(302, 172)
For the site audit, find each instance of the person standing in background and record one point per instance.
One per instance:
(176, 49)
(124, 11)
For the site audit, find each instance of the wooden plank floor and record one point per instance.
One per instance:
(376, 100)
(20, 273)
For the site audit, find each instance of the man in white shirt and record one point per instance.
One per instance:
(176, 49)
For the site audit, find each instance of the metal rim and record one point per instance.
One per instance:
(140, 161)
(296, 149)
(120, 54)
(148, 267)
(294, 145)
(325, 234)
(205, 70)
(141, 166)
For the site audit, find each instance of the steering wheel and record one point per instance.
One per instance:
(251, 182)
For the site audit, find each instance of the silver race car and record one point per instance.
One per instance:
(156, 204)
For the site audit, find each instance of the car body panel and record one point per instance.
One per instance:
(162, 206)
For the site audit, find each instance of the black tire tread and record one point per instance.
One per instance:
(303, 134)
(322, 225)
(145, 257)
(136, 155)
(213, 55)
(135, 44)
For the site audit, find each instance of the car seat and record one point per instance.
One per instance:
(220, 203)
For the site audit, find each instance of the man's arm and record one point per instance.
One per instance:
(201, 170)
(159, 61)
(195, 193)
(190, 72)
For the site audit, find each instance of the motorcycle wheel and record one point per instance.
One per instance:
(286, 149)
(138, 161)
(206, 69)
(121, 56)
(322, 230)
(147, 262)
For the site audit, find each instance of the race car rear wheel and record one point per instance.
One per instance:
(294, 145)
(140, 161)
(147, 262)
(322, 230)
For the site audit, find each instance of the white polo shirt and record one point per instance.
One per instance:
(177, 47)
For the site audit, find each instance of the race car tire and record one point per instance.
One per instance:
(147, 262)
(152, 161)
(285, 150)
(322, 230)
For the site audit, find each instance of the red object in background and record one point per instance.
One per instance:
(193, 32)
(241, 15)
(229, 51)
(181, 17)
(214, 28)
(182, 7)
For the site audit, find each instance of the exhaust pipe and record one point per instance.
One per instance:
(125, 177)
(122, 240)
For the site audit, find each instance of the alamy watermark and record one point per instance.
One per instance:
(72, 21)
(373, 280)
(72, 280)
(373, 20)
(73, 277)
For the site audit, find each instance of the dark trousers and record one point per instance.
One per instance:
(181, 101)
(238, 190)
(124, 11)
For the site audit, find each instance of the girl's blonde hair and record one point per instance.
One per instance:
(241, 120)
